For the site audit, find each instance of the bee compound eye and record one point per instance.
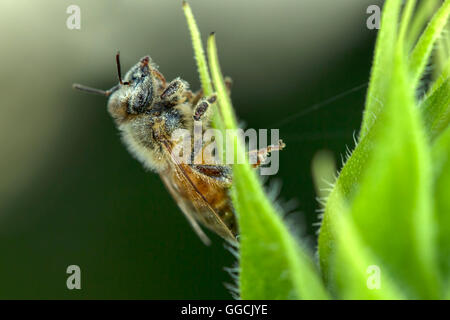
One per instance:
(141, 100)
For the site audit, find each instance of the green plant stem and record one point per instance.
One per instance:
(264, 236)
(421, 53)
(202, 65)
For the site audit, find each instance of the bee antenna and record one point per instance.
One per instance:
(119, 72)
(106, 93)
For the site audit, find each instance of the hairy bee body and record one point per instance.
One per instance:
(142, 120)
(147, 111)
(140, 133)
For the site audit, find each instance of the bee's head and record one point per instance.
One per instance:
(134, 94)
(138, 87)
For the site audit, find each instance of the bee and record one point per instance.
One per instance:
(147, 110)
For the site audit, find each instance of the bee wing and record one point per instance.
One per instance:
(186, 208)
(199, 210)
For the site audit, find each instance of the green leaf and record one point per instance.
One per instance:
(272, 263)
(352, 259)
(421, 53)
(436, 109)
(393, 207)
(387, 185)
(199, 53)
(357, 272)
(441, 188)
(382, 64)
(200, 58)
(350, 174)
(324, 173)
(344, 190)
(423, 13)
(406, 19)
(443, 76)
(442, 56)
(386, 182)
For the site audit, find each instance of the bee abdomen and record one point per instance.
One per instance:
(221, 203)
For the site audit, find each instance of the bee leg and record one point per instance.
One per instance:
(174, 91)
(160, 77)
(261, 154)
(201, 109)
(194, 99)
(228, 83)
(220, 173)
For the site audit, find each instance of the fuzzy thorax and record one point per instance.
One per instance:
(145, 133)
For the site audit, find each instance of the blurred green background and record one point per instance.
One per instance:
(69, 191)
